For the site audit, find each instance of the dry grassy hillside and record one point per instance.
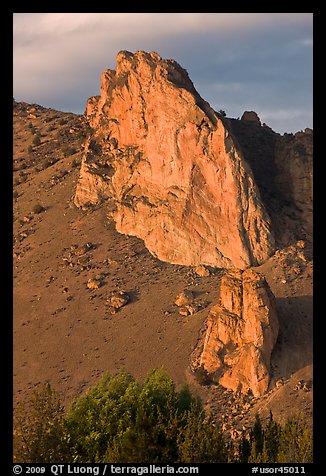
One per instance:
(67, 334)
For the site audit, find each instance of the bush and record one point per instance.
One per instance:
(38, 208)
(291, 443)
(30, 149)
(37, 140)
(121, 420)
(39, 434)
(68, 150)
(202, 376)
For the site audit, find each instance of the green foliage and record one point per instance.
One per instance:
(296, 443)
(244, 450)
(39, 435)
(291, 443)
(201, 441)
(272, 436)
(222, 112)
(120, 420)
(257, 435)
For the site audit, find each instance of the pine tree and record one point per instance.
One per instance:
(39, 433)
(272, 440)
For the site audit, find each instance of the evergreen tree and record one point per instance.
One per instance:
(296, 443)
(272, 440)
(244, 450)
(257, 435)
(39, 434)
(288, 443)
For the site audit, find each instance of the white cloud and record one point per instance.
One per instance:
(50, 42)
(29, 27)
(306, 42)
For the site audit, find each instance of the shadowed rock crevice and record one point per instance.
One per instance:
(282, 168)
(294, 348)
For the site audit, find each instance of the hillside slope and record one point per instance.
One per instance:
(68, 334)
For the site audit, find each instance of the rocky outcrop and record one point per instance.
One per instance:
(169, 168)
(241, 333)
(252, 117)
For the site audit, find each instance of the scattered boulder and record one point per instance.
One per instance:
(192, 308)
(184, 311)
(184, 298)
(38, 208)
(202, 271)
(93, 283)
(279, 383)
(119, 299)
(188, 310)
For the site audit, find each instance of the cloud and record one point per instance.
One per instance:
(58, 57)
(306, 42)
(31, 27)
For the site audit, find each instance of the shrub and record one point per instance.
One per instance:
(202, 376)
(37, 140)
(121, 420)
(291, 443)
(68, 150)
(118, 420)
(39, 434)
(75, 162)
(38, 208)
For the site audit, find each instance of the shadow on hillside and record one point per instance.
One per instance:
(294, 346)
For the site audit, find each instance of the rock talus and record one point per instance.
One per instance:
(169, 168)
(241, 333)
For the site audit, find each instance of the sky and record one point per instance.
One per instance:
(237, 61)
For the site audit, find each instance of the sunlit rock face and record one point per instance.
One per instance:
(169, 168)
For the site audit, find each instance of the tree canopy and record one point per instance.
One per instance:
(121, 420)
